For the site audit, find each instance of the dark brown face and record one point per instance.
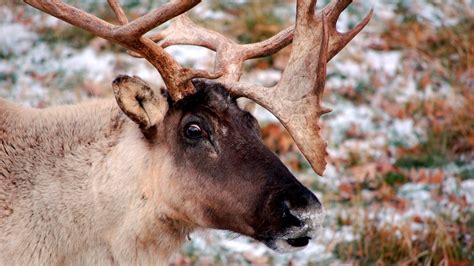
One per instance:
(230, 178)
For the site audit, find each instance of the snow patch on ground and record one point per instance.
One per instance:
(19, 39)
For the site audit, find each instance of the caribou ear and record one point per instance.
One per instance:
(139, 102)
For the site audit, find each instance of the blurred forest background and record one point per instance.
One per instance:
(399, 187)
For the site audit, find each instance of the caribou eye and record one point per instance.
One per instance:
(193, 131)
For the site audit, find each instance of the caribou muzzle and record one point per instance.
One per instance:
(301, 215)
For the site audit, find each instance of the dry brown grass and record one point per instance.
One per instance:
(440, 242)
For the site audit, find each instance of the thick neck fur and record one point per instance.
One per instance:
(80, 185)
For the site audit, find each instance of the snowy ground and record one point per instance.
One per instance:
(369, 89)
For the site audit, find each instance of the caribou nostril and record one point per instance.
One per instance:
(289, 219)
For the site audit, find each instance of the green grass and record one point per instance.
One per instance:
(467, 174)
(394, 179)
(421, 161)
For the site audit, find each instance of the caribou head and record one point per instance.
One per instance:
(223, 175)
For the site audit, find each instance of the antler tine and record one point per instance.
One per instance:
(323, 60)
(269, 46)
(340, 40)
(184, 31)
(122, 18)
(129, 35)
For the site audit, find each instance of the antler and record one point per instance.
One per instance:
(296, 99)
(130, 35)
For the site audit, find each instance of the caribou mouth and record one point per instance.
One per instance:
(298, 242)
(295, 240)
(283, 245)
(297, 237)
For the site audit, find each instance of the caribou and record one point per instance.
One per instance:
(125, 180)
